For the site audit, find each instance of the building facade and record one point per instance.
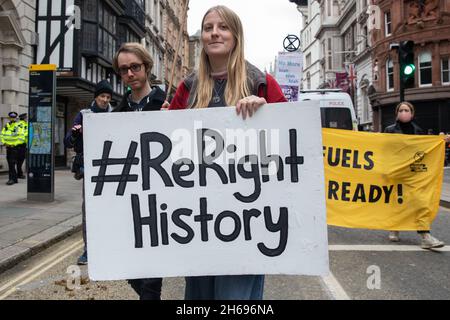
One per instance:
(329, 36)
(18, 41)
(427, 23)
(337, 51)
(154, 37)
(175, 26)
(363, 66)
(195, 47)
(81, 38)
(311, 45)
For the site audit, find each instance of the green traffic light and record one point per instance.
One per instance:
(409, 69)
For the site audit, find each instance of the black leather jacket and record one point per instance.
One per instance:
(396, 128)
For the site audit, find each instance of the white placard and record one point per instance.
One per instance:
(232, 212)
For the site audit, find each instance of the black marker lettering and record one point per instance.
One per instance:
(237, 226)
(155, 163)
(176, 218)
(207, 162)
(281, 226)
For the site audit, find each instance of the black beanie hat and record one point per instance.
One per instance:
(103, 87)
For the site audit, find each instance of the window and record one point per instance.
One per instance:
(330, 55)
(308, 81)
(445, 66)
(324, 50)
(106, 33)
(89, 37)
(329, 8)
(90, 10)
(365, 106)
(425, 72)
(363, 86)
(387, 23)
(349, 43)
(308, 59)
(365, 37)
(338, 118)
(99, 29)
(389, 75)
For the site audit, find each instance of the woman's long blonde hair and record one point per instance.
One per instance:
(237, 85)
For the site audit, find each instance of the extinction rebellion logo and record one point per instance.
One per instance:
(418, 166)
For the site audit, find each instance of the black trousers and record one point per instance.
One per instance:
(12, 155)
(147, 289)
(21, 155)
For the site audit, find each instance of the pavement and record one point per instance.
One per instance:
(28, 227)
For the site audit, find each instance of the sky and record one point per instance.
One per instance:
(266, 23)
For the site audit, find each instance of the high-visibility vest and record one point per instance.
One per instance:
(10, 135)
(23, 132)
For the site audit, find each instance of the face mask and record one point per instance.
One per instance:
(404, 117)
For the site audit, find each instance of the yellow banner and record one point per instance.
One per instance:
(382, 181)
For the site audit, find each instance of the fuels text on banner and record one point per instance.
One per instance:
(382, 181)
(203, 192)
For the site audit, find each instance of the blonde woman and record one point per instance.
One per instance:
(225, 78)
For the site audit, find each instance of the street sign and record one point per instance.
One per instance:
(41, 111)
(291, 43)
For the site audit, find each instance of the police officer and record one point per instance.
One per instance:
(11, 139)
(22, 148)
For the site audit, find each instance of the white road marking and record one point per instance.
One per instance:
(334, 287)
(7, 289)
(387, 248)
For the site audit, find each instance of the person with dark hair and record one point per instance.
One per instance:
(134, 65)
(74, 139)
(404, 113)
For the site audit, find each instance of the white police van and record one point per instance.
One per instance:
(336, 108)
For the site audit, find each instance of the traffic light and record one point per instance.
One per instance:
(407, 63)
